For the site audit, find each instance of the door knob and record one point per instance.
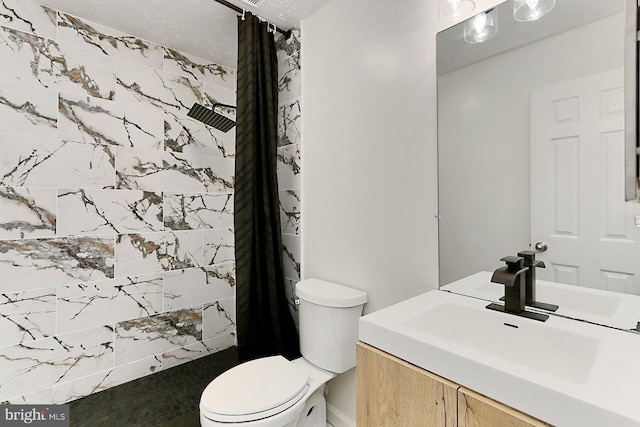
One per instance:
(541, 246)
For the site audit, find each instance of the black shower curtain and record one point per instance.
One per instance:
(264, 323)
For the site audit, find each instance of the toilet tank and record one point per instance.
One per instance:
(328, 321)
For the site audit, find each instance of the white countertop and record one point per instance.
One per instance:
(613, 309)
(561, 371)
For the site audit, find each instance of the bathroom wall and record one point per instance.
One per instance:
(369, 155)
(116, 210)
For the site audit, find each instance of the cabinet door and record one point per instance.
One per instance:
(392, 392)
(476, 410)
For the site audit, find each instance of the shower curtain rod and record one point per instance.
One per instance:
(241, 11)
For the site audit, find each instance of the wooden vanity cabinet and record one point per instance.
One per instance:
(476, 410)
(392, 392)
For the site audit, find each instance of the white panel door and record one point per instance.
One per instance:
(577, 185)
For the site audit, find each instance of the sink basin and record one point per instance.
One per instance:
(509, 340)
(561, 371)
(606, 308)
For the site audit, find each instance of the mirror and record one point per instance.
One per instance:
(531, 146)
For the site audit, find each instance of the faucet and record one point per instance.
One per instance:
(511, 276)
(530, 276)
(532, 263)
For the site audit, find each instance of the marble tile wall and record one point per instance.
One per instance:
(116, 209)
(289, 171)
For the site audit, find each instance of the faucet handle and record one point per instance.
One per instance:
(530, 259)
(514, 263)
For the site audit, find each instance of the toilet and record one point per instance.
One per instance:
(274, 392)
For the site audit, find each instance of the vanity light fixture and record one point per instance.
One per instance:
(481, 27)
(530, 10)
(452, 10)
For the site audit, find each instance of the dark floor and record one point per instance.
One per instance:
(167, 399)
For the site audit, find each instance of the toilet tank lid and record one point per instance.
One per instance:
(329, 294)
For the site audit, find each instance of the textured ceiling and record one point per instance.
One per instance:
(203, 28)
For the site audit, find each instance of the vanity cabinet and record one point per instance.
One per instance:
(475, 410)
(392, 392)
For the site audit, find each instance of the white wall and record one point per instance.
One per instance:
(369, 153)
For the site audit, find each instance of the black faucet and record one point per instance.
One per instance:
(512, 276)
(530, 281)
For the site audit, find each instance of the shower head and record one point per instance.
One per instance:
(211, 117)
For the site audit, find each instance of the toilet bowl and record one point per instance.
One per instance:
(274, 392)
(278, 393)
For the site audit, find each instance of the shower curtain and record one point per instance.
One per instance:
(264, 323)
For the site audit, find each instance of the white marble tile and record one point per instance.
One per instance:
(94, 212)
(290, 291)
(28, 110)
(290, 211)
(198, 211)
(40, 397)
(291, 256)
(107, 41)
(219, 246)
(28, 17)
(287, 47)
(87, 305)
(84, 352)
(222, 279)
(289, 123)
(185, 135)
(155, 252)
(219, 318)
(289, 167)
(195, 351)
(193, 67)
(289, 79)
(140, 338)
(43, 62)
(214, 94)
(100, 121)
(100, 381)
(36, 263)
(170, 92)
(154, 170)
(218, 174)
(186, 288)
(44, 363)
(183, 249)
(140, 253)
(185, 354)
(46, 162)
(222, 342)
(27, 212)
(27, 316)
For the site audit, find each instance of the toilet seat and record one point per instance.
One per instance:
(254, 390)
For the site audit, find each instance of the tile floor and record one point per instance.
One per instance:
(167, 399)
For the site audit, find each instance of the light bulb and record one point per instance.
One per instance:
(452, 10)
(481, 27)
(479, 21)
(531, 10)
